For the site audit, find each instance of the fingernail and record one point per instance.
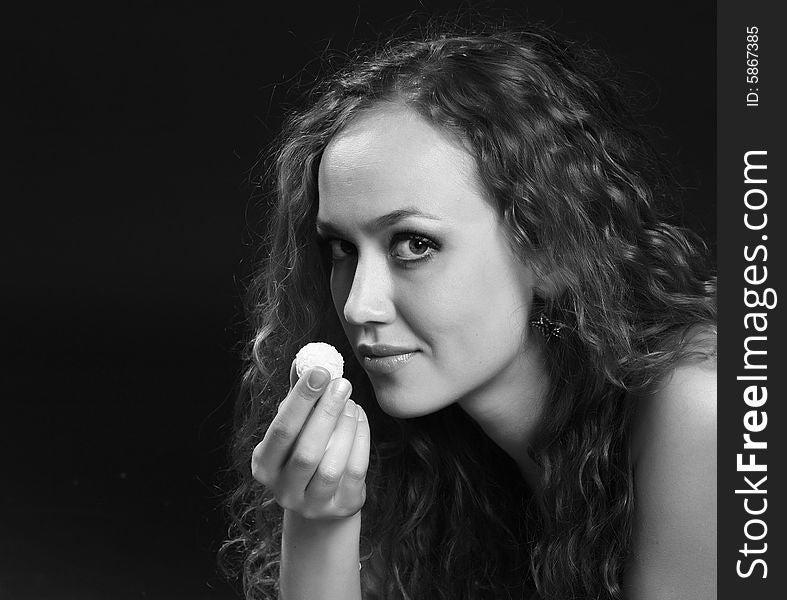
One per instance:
(361, 413)
(317, 379)
(341, 387)
(349, 408)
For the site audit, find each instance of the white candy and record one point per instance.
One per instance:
(319, 354)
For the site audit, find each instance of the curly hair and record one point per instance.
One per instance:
(576, 183)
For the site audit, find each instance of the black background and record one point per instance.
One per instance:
(127, 134)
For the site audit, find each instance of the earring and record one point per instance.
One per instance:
(548, 328)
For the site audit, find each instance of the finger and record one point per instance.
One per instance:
(293, 374)
(329, 472)
(310, 447)
(351, 492)
(271, 453)
(293, 381)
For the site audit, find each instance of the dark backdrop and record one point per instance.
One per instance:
(126, 135)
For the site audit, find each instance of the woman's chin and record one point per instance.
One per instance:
(404, 405)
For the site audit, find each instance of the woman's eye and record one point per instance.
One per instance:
(340, 249)
(405, 248)
(410, 247)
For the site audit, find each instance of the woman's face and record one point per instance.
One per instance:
(421, 263)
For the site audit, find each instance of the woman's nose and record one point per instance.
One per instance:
(370, 298)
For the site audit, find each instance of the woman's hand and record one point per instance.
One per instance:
(315, 453)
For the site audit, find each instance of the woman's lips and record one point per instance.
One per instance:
(386, 364)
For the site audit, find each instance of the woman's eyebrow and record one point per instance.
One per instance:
(382, 222)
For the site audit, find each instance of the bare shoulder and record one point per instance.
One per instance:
(674, 454)
(681, 406)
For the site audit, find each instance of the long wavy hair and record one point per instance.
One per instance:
(576, 183)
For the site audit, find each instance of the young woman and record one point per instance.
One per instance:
(528, 407)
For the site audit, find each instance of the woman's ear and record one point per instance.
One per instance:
(548, 282)
(547, 287)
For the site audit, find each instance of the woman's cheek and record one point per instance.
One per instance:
(340, 289)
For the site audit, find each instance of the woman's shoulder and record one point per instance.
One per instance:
(674, 454)
(681, 401)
